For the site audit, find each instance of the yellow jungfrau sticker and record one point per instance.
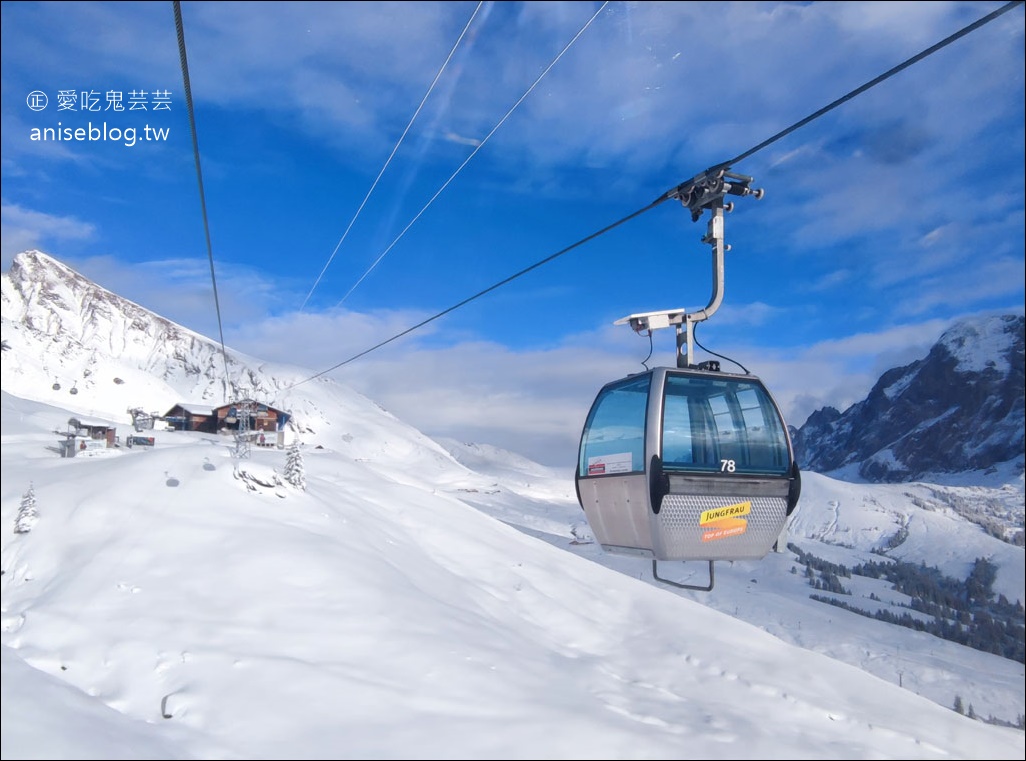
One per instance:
(730, 511)
(724, 522)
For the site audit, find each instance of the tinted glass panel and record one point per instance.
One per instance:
(725, 425)
(678, 443)
(614, 434)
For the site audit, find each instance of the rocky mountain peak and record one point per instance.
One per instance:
(960, 408)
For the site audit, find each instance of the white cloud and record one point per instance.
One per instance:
(994, 279)
(22, 229)
(531, 401)
(838, 372)
(535, 401)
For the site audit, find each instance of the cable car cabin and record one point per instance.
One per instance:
(686, 464)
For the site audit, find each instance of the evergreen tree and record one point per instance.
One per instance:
(294, 473)
(27, 514)
(979, 585)
(959, 705)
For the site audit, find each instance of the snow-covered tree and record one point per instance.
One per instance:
(294, 473)
(27, 514)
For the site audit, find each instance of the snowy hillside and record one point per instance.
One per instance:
(439, 586)
(223, 613)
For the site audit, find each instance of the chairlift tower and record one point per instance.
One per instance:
(141, 420)
(244, 411)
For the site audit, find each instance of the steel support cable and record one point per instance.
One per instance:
(179, 29)
(872, 83)
(472, 154)
(674, 192)
(489, 289)
(392, 155)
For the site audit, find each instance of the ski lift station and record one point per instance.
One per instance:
(84, 434)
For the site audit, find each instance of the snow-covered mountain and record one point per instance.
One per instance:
(72, 343)
(75, 334)
(59, 329)
(961, 408)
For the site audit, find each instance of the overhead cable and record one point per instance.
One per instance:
(391, 155)
(489, 289)
(675, 191)
(180, 30)
(873, 82)
(473, 153)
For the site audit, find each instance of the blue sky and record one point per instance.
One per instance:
(882, 221)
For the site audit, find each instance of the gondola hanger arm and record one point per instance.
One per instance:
(706, 190)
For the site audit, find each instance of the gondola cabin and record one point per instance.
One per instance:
(686, 464)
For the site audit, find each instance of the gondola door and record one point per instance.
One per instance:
(612, 480)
